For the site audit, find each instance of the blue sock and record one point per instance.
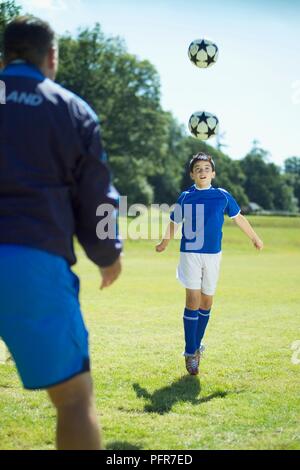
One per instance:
(201, 325)
(190, 322)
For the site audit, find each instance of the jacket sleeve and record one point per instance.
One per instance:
(93, 191)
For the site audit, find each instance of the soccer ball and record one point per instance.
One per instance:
(203, 125)
(203, 53)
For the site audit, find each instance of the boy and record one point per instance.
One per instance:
(201, 208)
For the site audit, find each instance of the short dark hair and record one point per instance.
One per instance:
(201, 156)
(27, 38)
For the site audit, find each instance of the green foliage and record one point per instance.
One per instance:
(264, 182)
(130, 179)
(295, 184)
(292, 171)
(8, 11)
(125, 93)
(292, 165)
(168, 178)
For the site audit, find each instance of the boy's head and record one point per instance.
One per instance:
(32, 40)
(202, 170)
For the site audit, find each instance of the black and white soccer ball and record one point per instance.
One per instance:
(203, 53)
(203, 125)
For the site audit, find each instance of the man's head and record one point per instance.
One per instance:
(32, 40)
(202, 169)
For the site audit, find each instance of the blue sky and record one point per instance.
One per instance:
(254, 88)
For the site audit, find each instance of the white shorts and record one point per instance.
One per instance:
(199, 271)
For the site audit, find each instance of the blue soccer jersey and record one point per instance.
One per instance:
(202, 213)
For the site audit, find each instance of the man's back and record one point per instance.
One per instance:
(51, 175)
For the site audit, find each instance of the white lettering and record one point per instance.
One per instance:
(13, 96)
(107, 227)
(296, 355)
(29, 99)
(2, 92)
(116, 460)
(296, 94)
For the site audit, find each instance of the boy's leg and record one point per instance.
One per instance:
(211, 268)
(206, 302)
(190, 320)
(195, 319)
(77, 426)
(192, 298)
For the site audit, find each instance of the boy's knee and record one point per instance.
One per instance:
(192, 299)
(206, 302)
(192, 304)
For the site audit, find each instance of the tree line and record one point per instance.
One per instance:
(148, 149)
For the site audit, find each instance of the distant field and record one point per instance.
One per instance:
(248, 393)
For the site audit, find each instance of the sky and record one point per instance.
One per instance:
(254, 88)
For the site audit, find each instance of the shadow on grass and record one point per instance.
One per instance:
(186, 389)
(121, 445)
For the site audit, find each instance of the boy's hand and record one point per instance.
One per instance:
(110, 273)
(258, 243)
(161, 246)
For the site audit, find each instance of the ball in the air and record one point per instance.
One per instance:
(203, 125)
(203, 53)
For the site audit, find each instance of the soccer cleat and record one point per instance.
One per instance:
(199, 353)
(192, 364)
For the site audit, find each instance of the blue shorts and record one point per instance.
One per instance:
(40, 318)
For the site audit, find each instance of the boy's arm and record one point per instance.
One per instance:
(245, 226)
(169, 235)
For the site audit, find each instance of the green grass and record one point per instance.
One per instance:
(248, 392)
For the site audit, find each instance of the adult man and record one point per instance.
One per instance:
(52, 180)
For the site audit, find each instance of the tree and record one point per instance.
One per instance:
(167, 180)
(292, 176)
(264, 182)
(8, 11)
(125, 93)
(292, 165)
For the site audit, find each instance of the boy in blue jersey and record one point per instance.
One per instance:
(201, 209)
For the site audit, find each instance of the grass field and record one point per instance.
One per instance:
(248, 393)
